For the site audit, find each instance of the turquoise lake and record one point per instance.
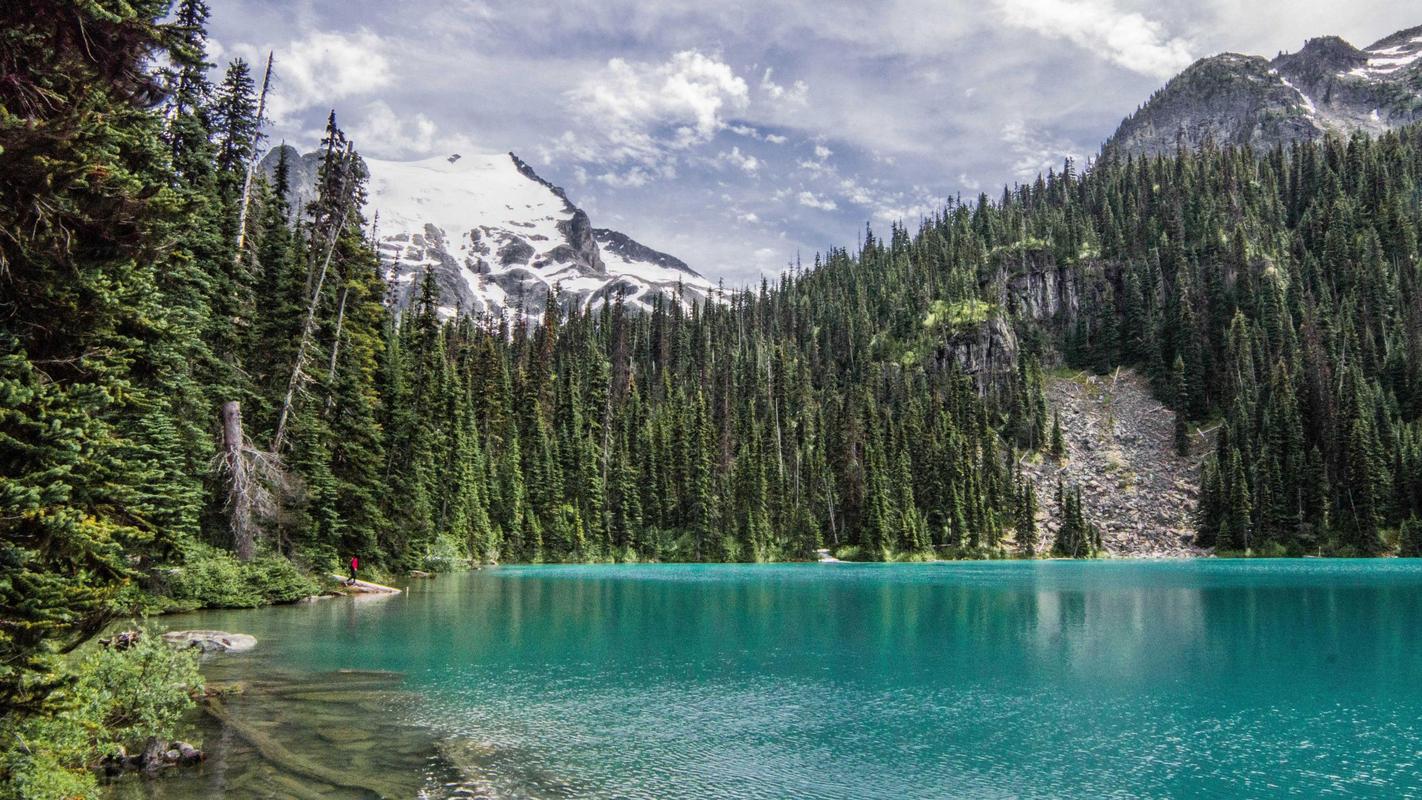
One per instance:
(1129, 679)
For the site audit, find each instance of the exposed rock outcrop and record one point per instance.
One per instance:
(985, 352)
(1030, 284)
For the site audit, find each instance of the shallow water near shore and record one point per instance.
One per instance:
(1202, 678)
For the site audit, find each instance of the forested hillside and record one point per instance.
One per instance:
(203, 397)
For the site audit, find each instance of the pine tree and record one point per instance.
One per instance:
(1058, 445)
(1027, 520)
(1409, 538)
(82, 419)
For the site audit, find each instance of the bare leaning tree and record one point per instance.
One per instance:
(308, 328)
(250, 474)
(252, 164)
(246, 472)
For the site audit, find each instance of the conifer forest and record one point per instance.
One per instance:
(206, 398)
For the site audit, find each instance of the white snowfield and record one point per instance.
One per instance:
(499, 240)
(1387, 60)
(459, 197)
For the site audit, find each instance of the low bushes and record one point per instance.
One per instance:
(109, 702)
(212, 578)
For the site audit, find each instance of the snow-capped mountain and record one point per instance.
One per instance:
(1328, 86)
(499, 238)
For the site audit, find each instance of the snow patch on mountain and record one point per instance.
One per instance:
(1389, 59)
(500, 240)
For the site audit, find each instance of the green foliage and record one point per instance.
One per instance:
(1409, 538)
(1076, 537)
(93, 466)
(112, 701)
(1057, 447)
(960, 315)
(212, 578)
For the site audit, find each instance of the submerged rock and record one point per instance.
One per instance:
(122, 640)
(187, 754)
(211, 641)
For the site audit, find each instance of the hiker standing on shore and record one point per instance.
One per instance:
(355, 567)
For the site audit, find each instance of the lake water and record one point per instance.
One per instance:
(1207, 678)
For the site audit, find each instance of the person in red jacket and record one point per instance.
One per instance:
(355, 567)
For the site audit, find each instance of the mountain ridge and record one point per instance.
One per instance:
(1327, 86)
(498, 238)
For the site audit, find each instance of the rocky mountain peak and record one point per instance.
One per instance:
(1328, 86)
(499, 239)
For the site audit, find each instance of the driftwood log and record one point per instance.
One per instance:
(365, 587)
(276, 753)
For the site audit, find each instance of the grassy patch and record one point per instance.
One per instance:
(960, 315)
(1024, 244)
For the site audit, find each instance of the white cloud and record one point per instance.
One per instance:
(380, 132)
(637, 176)
(819, 166)
(321, 68)
(1127, 38)
(1034, 154)
(907, 214)
(796, 94)
(775, 138)
(747, 163)
(643, 113)
(855, 192)
(811, 200)
(970, 183)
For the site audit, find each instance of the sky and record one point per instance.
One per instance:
(739, 136)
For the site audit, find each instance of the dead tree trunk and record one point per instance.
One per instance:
(239, 483)
(251, 165)
(309, 327)
(336, 346)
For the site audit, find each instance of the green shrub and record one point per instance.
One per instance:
(1409, 538)
(445, 555)
(113, 700)
(958, 316)
(849, 552)
(209, 578)
(213, 578)
(277, 580)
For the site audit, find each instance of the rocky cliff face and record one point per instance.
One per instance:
(499, 239)
(1328, 86)
(1025, 286)
(1030, 284)
(986, 353)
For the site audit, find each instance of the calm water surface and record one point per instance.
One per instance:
(1289, 678)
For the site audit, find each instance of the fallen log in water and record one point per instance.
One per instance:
(365, 586)
(278, 755)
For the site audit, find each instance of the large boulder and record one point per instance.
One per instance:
(211, 641)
